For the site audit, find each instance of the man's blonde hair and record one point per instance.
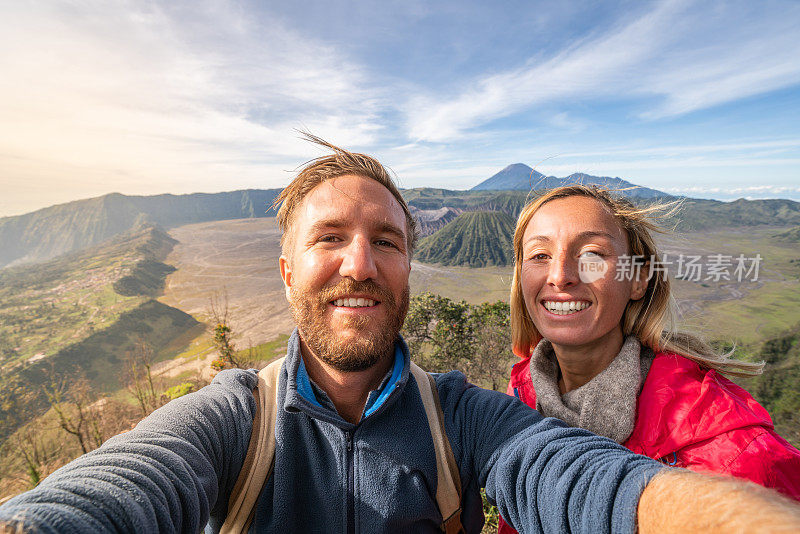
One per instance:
(651, 318)
(340, 163)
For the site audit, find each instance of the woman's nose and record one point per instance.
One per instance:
(563, 272)
(358, 262)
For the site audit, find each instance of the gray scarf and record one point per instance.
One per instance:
(606, 405)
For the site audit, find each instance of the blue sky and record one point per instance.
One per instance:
(697, 98)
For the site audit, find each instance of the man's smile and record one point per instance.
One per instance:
(355, 301)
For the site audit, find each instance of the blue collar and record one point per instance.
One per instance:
(373, 402)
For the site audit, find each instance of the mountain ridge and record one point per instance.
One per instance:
(80, 313)
(63, 228)
(474, 239)
(51, 232)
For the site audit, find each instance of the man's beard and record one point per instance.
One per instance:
(354, 354)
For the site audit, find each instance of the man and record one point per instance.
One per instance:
(354, 452)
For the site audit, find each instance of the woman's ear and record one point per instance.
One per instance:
(639, 287)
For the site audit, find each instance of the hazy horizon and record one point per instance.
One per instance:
(730, 198)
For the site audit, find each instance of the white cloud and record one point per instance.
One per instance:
(136, 96)
(753, 147)
(729, 193)
(774, 189)
(663, 53)
(593, 64)
(616, 167)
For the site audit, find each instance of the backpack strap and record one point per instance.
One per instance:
(448, 483)
(260, 455)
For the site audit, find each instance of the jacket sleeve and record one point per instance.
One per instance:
(769, 460)
(543, 475)
(166, 475)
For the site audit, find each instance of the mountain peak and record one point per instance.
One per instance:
(517, 167)
(510, 178)
(520, 177)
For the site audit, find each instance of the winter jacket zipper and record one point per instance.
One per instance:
(351, 512)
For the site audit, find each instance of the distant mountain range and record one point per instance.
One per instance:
(65, 228)
(520, 177)
(50, 232)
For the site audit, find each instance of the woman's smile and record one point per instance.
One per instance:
(567, 307)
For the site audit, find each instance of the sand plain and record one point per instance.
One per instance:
(239, 258)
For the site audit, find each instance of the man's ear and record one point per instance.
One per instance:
(639, 287)
(286, 275)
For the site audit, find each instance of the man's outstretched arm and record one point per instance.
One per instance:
(678, 500)
(167, 475)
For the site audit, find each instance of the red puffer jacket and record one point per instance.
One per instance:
(695, 418)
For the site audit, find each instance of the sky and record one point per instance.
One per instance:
(693, 98)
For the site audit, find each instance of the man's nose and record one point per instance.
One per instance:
(358, 262)
(563, 272)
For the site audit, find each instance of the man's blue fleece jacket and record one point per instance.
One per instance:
(174, 472)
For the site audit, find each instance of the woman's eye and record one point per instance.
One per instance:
(539, 256)
(591, 254)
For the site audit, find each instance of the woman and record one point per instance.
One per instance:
(589, 319)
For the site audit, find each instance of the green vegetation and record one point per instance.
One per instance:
(146, 279)
(222, 342)
(265, 352)
(64, 318)
(60, 302)
(97, 357)
(444, 335)
(476, 239)
(491, 515)
(253, 357)
(763, 313)
(777, 388)
(693, 215)
(179, 390)
(746, 312)
(228, 357)
(791, 235)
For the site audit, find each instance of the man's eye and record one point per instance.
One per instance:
(385, 243)
(328, 239)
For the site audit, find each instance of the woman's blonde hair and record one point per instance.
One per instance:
(651, 318)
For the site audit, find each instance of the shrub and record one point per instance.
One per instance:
(179, 391)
